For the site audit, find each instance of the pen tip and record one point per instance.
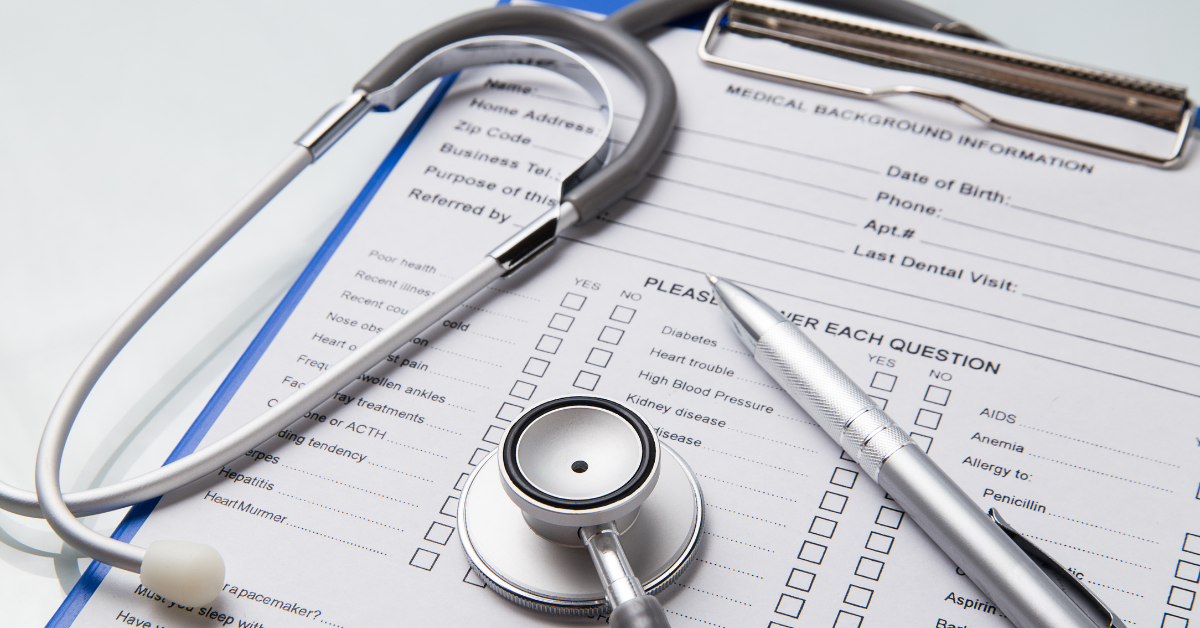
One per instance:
(711, 278)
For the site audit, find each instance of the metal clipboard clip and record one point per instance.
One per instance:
(1081, 595)
(959, 58)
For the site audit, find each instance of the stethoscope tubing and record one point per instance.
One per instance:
(611, 182)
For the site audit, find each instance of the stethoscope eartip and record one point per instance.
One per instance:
(189, 574)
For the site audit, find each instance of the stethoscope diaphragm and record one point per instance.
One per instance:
(566, 464)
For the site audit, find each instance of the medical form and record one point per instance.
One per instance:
(1027, 312)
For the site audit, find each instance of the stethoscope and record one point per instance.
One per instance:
(574, 473)
(526, 513)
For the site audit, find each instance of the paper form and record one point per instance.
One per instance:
(1029, 315)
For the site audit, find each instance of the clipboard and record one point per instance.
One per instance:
(96, 572)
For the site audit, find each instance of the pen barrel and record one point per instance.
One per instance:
(835, 402)
(1001, 570)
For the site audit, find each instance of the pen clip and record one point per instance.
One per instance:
(1091, 605)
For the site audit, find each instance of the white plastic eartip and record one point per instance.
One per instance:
(189, 574)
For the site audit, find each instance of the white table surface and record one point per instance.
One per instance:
(127, 127)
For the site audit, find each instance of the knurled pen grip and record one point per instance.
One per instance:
(837, 404)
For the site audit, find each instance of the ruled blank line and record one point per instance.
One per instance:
(1054, 272)
(765, 174)
(1031, 296)
(1106, 229)
(1081, 252)
(776, 148)
(557, 152)
(752, 200)
(749, 143)
(731, 224)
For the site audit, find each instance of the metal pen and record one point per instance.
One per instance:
(1023, 582)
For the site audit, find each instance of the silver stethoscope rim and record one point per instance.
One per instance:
(540, 601)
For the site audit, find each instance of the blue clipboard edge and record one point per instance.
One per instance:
(95, 573)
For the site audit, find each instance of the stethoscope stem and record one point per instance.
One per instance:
(631, 607)
(612, 565)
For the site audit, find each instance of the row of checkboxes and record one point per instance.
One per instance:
(549, 344)
(926, 418)
(933, 394)
(1182, 597)
(813, 552)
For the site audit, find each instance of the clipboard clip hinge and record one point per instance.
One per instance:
(961, 57)
(1069, 582)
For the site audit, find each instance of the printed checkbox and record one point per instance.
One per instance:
(535, 367)
(586, 380)
(845, 456)
(776, 624)
(889, 517)
(858, 596)
(844, 477)
(622, 314)
(883, 381)
(478, 456)
(471, 577)
(439, 533)
(868, 568)
(573, 301)
(509, 412)
(610, 335)
(801, 580)
(937, 395)
(923, 441)
(878, 542)
(461, 482)
(523, 390)
(789, 605)
(846, 619)
(833, 502)
(599, 357)
(823, 527)
(424, 559)
(561, 322)
(812, 552)
(880, 402)
(1180, 597)
(1191, 543)
(928, 418)
(1187, 571)
(1173, 621)
(549, 344)
(494, 434)
(450, 507)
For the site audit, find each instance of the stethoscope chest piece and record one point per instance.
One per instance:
(568, 464)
